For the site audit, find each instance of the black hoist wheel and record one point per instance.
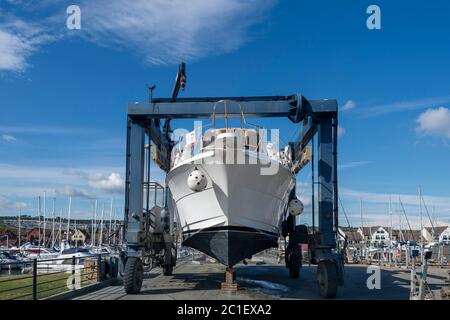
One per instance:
(294, 266)
(134, 274)
(327, 278)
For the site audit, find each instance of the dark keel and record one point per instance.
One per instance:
(230, 244)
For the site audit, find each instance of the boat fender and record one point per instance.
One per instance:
(295, 207)
(197, 180)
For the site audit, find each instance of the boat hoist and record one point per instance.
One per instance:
(150, 232)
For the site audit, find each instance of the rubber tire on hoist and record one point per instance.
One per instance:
(170, 258)
(134, 275)
(327, 278)
(167, 270)
(294, 266)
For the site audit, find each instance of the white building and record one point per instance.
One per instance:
(78, 236)
(444, 237)
(376, 235)
(442, 234)
(380, 236)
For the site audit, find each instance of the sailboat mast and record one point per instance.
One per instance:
(95, 223)
(421, 224)
(92, 225)
(68, 217)
(110, 220)
(115, 227)
(60, 226)
(53, 222)
(399, 220)
(100, 238)
(39, 220)
(43, 242)
(361, 212)
(20, 213)
(390, 215)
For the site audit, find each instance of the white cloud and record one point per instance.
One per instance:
(406, 105)
(113, 183)
(305, 199)
(341, 131)
(7, 204)
(109, 183)
(161, 32)
(353, 164)
(167, 31)
(7, 138)
(30, 181)
(43, 130)
(434, 122)
(18, 41)
(74, 192)
(350, 104)
(383, 198)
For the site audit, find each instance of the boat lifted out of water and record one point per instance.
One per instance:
(228, 191)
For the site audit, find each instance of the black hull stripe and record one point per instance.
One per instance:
(230, 228)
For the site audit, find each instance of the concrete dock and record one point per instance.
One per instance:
(192, 280)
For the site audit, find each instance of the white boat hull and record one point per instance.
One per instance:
(238, 205)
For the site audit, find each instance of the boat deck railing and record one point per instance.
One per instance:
(34, 279)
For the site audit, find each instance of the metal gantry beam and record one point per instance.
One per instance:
(294, 107)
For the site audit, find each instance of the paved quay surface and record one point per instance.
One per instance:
(193, 281)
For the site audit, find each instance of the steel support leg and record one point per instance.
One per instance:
(134, 186)
(325, 188)
(330, 269)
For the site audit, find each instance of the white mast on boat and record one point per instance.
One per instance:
(39, 220)
(92, 224)
(60, 226)
(20, 213)
(110, 220)
(115, 227)
(400, 234)
(94, 234)
(53, 222)
(390, 235)
(390, 215)
(68, 217)
(421, 225)
(100, 238)
(362, 227)
(360, 211)
(43, 242)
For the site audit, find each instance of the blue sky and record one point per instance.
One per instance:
(64, 92)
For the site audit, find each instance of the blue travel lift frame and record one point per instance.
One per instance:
(317, 116)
